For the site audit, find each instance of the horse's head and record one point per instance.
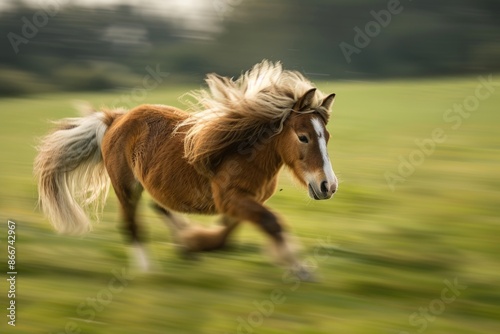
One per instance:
(304, 148)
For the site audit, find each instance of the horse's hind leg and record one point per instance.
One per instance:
(176, 225)
(196, 238)
(173, 221)
(128, 191)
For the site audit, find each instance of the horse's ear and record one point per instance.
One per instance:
(305, 101)
(328, 101)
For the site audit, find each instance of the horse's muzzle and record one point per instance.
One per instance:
(325, 190)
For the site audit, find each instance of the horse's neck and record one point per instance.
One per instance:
(267, 159)
(255, 172)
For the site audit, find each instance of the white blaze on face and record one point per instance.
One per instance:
(327, 165)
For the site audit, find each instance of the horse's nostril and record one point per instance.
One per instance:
(324, 187)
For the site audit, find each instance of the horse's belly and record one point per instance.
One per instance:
(187, 196)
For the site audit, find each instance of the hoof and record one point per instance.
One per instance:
(139, 258)
(303, 274)
(186, 254)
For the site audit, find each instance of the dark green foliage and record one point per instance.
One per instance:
(425, 38)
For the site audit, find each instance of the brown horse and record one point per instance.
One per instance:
(224, 158)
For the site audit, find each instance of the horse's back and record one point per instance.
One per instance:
(147, 114)
(144, 125)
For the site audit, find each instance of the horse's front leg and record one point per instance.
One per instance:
(242, 206)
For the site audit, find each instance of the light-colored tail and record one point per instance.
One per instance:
(72, 179)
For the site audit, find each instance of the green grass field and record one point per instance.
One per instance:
(385, 258)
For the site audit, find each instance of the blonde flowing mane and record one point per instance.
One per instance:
(231, 111)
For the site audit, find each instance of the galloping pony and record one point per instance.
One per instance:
(222, 158)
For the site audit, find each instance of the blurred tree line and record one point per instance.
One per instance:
(61, 46)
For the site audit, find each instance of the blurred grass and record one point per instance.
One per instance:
(387, 253)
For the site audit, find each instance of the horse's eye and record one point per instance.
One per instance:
(303, 139)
